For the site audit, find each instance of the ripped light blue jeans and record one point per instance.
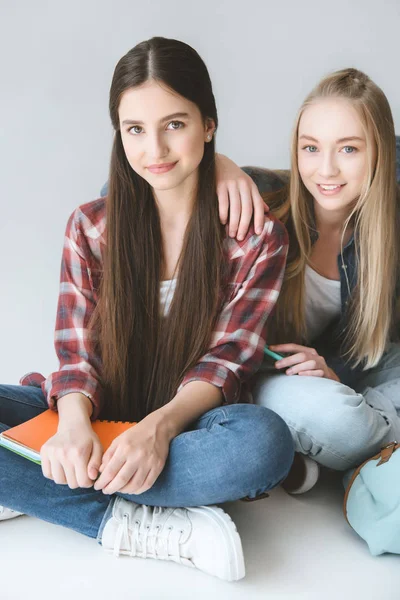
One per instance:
(231, 452)
(337, 425)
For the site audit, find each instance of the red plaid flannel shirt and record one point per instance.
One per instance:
(236, 348)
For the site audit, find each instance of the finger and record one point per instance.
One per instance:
(317, 373)
(107, 456)
(136, 484)
(223, 203)
(95, 461)
(291, 360)
(70, 475)
(234, 209)
(57, 472)
(76, 468)
(150, 480)
(125, 475)
(289, 348)
(246, 212)
(308, 365)
(46, 467)
(260, 208)
(110, 471)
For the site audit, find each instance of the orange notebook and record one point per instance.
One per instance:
(28, 438)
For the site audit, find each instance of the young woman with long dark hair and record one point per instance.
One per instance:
(162, 318)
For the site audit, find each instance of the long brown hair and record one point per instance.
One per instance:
(374, 217)
(145, 355)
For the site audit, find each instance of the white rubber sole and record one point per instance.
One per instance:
(233, 545)
(311, 477)
(7, 513)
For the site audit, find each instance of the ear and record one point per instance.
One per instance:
(209, 129)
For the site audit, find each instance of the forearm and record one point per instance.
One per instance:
(190, 403)
(75, 339)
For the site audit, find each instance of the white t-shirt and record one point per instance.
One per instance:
(167, 291)
(323, 302)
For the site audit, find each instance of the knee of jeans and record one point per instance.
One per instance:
(266, 450)
(339, 421)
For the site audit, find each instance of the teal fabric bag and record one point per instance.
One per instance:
(372, 501)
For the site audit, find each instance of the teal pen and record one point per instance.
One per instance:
(272, 354)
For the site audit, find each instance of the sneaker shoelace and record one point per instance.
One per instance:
(150, 541)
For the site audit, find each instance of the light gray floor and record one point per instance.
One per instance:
(295, 547)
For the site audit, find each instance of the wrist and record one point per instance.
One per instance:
(191, 402)
(164, 422)
(74, 408)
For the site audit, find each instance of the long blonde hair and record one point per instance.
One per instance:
(374, 218)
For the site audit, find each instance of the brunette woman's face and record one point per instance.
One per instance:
(163, 135)
(332, 153)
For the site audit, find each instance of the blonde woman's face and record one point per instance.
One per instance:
(332, 154)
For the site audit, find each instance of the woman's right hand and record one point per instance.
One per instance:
(73, 455)
(238, 199)
(303, 361)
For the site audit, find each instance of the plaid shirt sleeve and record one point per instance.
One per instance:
(238, 341)
(80, 363)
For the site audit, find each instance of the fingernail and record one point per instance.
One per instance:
(289, 371)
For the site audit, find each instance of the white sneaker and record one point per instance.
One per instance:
(204, 537)
(302, 476)
(7, 513)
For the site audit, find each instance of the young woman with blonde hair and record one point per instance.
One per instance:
(337, 313)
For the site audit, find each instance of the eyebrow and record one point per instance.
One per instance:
(339, 141)
(178, 115)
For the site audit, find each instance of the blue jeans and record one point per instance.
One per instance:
(229, 453)
(338, 424)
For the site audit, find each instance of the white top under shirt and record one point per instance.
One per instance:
(323, 302)
(167, 291)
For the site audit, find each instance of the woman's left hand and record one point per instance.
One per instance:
(303, 361)
(135, 458)
(239, 197)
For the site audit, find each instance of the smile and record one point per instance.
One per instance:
(331, 189)
(161, 168)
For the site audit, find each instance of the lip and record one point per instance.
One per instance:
(334, 192)
(161, 168)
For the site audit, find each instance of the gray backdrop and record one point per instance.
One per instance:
(57, 59)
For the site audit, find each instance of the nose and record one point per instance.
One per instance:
(157, 146)
(328, 166)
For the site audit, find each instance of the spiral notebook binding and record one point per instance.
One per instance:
(110, 421)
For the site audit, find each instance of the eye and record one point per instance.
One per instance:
(175, 125)
(349, 149)
(311, 149)
(135, 130)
